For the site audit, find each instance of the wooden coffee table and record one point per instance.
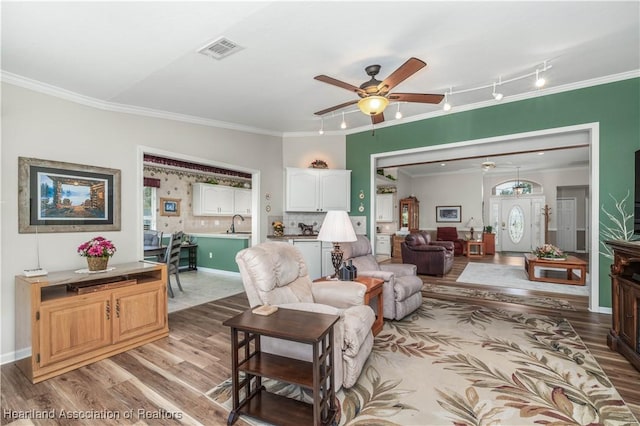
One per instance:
(571, 263)
(318, 375)
(374, 290)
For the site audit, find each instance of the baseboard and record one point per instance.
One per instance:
(603, 310)
(219, 271)
(14, 356)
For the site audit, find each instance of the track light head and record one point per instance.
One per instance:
(540, 81)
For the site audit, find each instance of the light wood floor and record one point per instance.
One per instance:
(172, 374)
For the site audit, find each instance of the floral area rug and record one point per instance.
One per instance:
(442, 291)
(452, 363)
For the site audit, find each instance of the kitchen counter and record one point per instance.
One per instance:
(224, 235)
(293, 237)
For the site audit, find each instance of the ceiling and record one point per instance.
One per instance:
(142, 56)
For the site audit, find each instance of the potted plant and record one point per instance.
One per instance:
(488, 229)
(97, 250)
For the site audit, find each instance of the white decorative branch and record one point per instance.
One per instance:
(621, 229)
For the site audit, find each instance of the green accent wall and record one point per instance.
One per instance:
(615, 106)
(224, 252)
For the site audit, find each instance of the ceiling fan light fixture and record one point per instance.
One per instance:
(321, 131)
(373, 105)
(343, 125)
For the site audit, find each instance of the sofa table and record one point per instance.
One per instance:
(317, 375)
(374, 290)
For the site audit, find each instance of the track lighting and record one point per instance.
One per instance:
(447, 105)
(540, 81)
(398, 113)
(496, 95)
(343, 125)
(321, 131)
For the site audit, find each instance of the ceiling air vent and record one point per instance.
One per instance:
(220, 48)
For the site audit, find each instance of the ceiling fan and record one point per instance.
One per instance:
(375, 95)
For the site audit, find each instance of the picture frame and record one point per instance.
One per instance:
(448, 213)
(56, 196)
(170, 206)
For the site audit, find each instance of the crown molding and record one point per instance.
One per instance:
(51, 90)
(68, 95)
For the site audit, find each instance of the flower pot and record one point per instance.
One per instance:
(97, 263)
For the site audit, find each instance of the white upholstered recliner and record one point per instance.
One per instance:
(401, 291)
(275, 273)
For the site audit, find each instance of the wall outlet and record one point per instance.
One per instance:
(210, 255)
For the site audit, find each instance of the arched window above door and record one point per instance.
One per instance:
(510, 187)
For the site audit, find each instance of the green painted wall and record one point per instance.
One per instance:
(224, 252)
(616, 106)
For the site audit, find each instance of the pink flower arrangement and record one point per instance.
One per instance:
(97, 247)
(550, 252)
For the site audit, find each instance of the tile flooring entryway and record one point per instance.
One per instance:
(202, 287)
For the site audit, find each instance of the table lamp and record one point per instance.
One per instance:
(470, 224)
(337, 228)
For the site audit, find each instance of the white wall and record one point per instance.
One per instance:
(41, 126)
(301, 151)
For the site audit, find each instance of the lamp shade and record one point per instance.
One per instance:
(337, 227)
(373, 105)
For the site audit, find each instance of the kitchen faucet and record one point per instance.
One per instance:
(233, 224)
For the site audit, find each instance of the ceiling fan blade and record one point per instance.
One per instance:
(338, 83)
(378, 118)
(405, 71)
(333, 108)
(425, 98)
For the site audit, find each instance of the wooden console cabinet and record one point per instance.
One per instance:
(72, 319)
(624, 336)
(410, 214)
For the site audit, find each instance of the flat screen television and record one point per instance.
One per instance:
(636, 208)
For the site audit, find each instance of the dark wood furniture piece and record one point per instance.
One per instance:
(624, 336)
(191, 258)
(396, 252)
(489, 240)
(318, 375)
(571, 263)
(374, 291)
(73, 319)
(474, 248)
(409, 214)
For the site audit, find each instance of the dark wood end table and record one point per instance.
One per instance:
(318, 375)
(477, 252)
(374, 290)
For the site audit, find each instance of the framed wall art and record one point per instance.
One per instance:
(448, 213)
(169, 206)
(54, 196)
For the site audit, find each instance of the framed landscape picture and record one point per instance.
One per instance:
(169, 206)
(54, 196)
(448, 213)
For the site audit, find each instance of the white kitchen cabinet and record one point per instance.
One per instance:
(212, 200)
(220, 200)
(385, 207)
(383, 244)
(311, 251)
(242, 201)
(317, 190)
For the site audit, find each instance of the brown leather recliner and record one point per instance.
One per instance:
(450, 233)
(430, 257)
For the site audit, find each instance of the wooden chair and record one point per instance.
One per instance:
(172, 259)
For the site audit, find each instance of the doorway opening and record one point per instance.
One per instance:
(584, 135)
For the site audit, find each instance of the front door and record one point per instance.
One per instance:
(518, 221)
(515, 224)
